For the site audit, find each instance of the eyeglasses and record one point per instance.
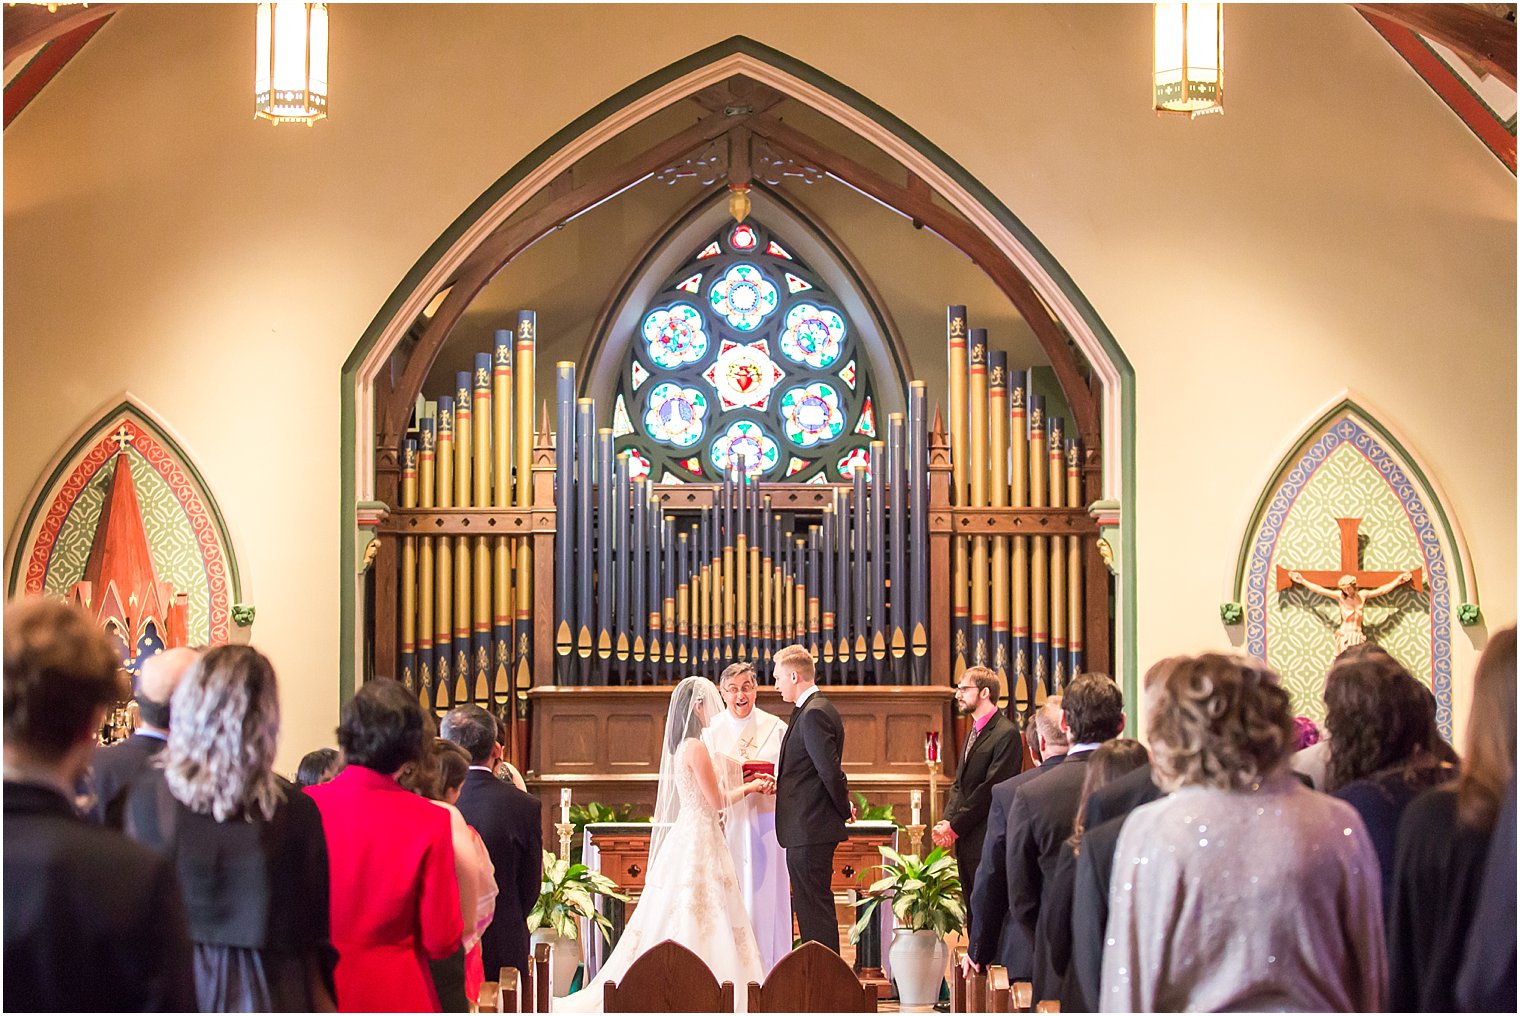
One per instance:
(966, 687)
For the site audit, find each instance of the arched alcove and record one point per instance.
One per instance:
(526, 203)
(1348, 463)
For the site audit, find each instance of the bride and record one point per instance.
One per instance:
(691, 894)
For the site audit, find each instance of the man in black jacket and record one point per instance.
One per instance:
(812, 796)
(116, 767)
(990, 755)
(509, 822)
(93, 921)
(994, 936)
(1044, 810)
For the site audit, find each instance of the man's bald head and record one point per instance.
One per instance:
(159, 676)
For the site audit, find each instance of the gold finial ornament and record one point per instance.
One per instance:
(738, 201)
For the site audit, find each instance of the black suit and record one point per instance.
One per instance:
(93, 921)
(112, 773)
(1106, 811)
(995, 756)
(995, 937)
(510, 824)
(812, 806)
(1039, 821)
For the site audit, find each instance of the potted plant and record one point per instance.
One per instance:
(567, 895)
(926, 900)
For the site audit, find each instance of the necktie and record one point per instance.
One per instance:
(970, 740)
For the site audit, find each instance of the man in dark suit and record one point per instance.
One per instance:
(93, 920)
(117, 766)
(812, 796)
(509, 822)
(990, 755)
(995, 937)
(1044, 810)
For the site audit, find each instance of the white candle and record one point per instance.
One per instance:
(918, 801)
(564, 805)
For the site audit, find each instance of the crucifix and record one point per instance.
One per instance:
(1346, 585)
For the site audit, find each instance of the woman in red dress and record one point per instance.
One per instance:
(395, 900)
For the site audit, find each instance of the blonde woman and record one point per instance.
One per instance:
(248, 845)
(1242, 890)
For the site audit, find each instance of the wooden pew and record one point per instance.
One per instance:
(543, 978)
(668, 978)
(487, 1000)
(503, 996)
(526, 988)
(812, 978)
(968, 991)
(999, 992)
(1023, 996)
(1049, 1005)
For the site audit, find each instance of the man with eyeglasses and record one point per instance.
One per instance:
(989, 756)
(746, 733)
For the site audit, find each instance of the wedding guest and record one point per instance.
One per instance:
(1486, 982)
(1053, 951)
(248, 845)
(395, 900)
(1305, 733)
(1443, 845)
(424, 778)
(1381, 726)
(453, 767)
(990, 755)
(117, 765)
(1044, 810)
(317, 767)
(93, 921)
(510, 823)
(995, 936)
(1244, 889)
(1313, 762)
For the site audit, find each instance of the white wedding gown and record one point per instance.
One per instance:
(692, 896)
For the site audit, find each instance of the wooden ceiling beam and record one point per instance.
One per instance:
(29, 26)
(1485, 39)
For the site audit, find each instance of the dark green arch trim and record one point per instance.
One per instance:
(580, 125)
(1411, 465)
(89, 438)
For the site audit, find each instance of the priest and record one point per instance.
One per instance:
(745, 733)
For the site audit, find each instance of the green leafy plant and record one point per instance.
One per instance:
(866, 812)
(925, 894)
(595, 811)
(568, 893)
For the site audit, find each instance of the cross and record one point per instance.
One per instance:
(1350, 565)
(122, 437)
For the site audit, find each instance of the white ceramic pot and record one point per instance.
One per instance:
(919, 960)
(565, 959)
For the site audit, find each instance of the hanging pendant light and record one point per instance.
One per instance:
(1189, 67)
(290, 73)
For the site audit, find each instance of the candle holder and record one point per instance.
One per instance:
(915, 838)
(565, 830)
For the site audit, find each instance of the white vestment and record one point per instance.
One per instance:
(750, 828)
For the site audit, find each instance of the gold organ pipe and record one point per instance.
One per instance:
(1039, 580)
(443, 564)
(980, 476)
(1057, 489)
(409, 569)
(1019, 665)
(522, 407)
(464, 460)
(997, 379)
(426, 491)
(1076, 616)
(501, 497)
(960, 429)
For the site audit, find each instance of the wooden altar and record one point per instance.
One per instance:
(621, 852)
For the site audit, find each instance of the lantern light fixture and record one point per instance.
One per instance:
(290, 72)
(1189, 64)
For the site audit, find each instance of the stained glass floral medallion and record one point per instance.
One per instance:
(746, 439)
(744, 375)
(638, 465)
(743, 237)
(813, 335)
(621, 424)
(744, 296)
(676, 415)
(855, 458)
(812, 415)
(675, 335)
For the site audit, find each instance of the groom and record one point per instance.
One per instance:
(812, 797)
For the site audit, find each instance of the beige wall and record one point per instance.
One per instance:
(1337, 228)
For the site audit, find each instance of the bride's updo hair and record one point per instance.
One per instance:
(684, 721)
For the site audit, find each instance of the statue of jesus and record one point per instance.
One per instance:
(1352, 602)
(745, 732)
